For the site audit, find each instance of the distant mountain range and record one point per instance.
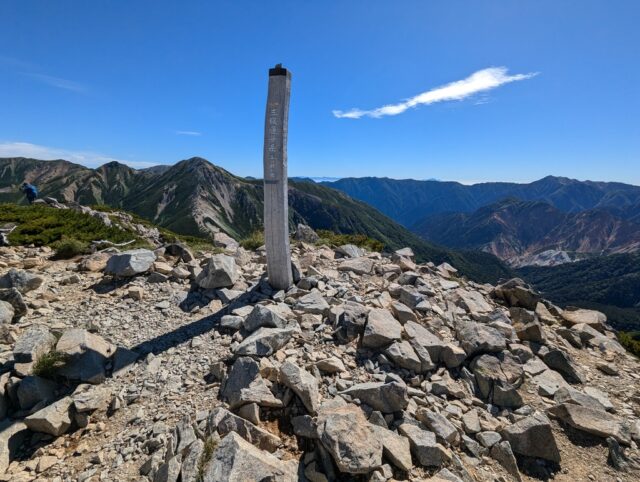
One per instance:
(196, 197)
(550, 221)
(409, 201)
(520, 231)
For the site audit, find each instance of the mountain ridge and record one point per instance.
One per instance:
(409, 201)
(514, 230)
(195, 197)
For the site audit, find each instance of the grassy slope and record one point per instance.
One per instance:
(43, 226)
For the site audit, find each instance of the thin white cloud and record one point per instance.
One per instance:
(480, 81)
(58, 82)
(188, 133)
(85, 158)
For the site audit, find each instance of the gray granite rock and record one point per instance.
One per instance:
(385, 397)
(303, 384)
(130, 263)
(219, 272)
(34, 342)
(532, 436)
(381, 329)
(424, 447)
(54, 419)
(350, 439)
(244, 384)
(236, 460)
(23, 281)
(262, 316)
(264, 341)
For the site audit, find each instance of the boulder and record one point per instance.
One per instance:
(262, 316)
(531, 331)
(350, 251)
(264, 342)
(223, 240)
(331, 365)
(516, 292)
(94, 262)
(404, 356)
(395, 447)
(23, 281)
(33, 343)
(219, 272)
(236, 460)
(381, 329)
(359, 266)
(244, 384)
(306, 234)
(595, 422)
(86, 353)
(549, 382)
(350, 321)
(130, 263)
(180, 251)
(532, 436)
(189, 470)
(386, 397)
(224, 422)
(6, 313)
(471, 301)
(498, 378)
(503, 454)
(14, 298)
(312, 303)
(33, 390)
(440, 425)
(562, 362)
(571, 395)
(89, 398)
(54, 419)
(303, 384)
(421, 336)
(424, 447)
(402, 312)
(476, 338)
(12, 435)
(349, 438)
(592, 318)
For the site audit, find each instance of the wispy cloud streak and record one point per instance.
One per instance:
(480, 81)
(57, 82)
(85, 158)
(189, 133)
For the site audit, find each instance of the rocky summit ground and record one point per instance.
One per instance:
(169, 365)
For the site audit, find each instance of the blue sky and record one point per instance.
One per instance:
(149, 82)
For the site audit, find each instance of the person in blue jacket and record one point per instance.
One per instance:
(30, 191)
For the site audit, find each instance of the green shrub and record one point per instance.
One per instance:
(631, 341)
(253, 241)
(335, 239)
(48, 364)
(207, 452)
(69, 247)
(44, 226)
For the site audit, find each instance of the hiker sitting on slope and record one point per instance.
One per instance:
(30, 191)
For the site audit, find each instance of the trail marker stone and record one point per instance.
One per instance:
(276, 207)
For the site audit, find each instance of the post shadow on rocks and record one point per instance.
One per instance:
(21, 443)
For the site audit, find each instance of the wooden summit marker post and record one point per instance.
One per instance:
(276, 199)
